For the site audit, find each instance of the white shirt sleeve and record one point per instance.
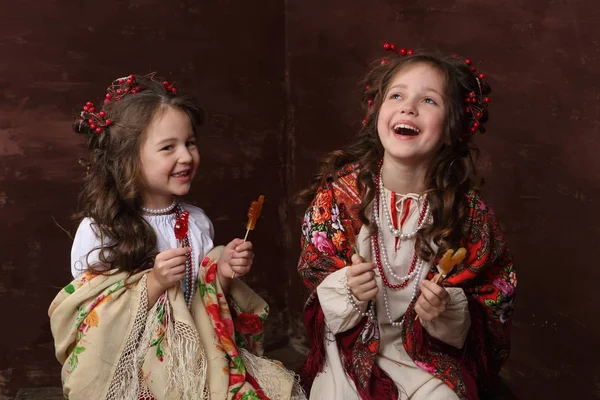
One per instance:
(339, 313)
(452, 326)
(84, 242)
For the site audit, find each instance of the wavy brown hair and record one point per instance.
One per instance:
(450, 173)
(111, 192)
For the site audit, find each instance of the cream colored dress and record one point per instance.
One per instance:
(451, 326)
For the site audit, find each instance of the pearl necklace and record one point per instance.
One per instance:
(160, 210)
(379, 252)
(386, 304)
(378, 248)
(423, 218)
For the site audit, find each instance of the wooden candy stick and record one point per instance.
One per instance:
(443, 265)
(253, 214)
(449, 260)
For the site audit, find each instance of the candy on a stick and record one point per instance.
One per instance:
(253, 214)
(181, 231)
(181, 228)
(448, 261)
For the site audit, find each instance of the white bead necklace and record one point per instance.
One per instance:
(386, 303)
(383, 251)
(160, 210)
(416, 274)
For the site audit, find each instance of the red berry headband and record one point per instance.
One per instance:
(475, 103)
(121, 87)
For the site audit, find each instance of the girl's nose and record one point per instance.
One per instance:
(185, 157)
(408, 107)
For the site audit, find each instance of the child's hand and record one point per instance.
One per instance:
(169, 267)
(432, 301)
(235, 260)
(361, 279)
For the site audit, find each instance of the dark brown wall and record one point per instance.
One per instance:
(279, 82)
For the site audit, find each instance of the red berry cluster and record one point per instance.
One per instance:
(122, 87)
(115, 92)
(96, 121)
(476, 103)
(169, 87)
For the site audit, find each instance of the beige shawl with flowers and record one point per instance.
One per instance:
(112, 347)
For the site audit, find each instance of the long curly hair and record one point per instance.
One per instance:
(451, 171)
(111, 191)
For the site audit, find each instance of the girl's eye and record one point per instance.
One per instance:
(429, 100)
(395, 96)
(167, 148)
(191, 143)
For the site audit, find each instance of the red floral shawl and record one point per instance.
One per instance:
(487, 277)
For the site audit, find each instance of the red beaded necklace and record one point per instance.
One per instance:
(182, 235)
(377, 249)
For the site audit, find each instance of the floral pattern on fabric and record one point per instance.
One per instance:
(87, 317)
(79, 281)
(226, 327)
(487, 276)
(158, 336)
(125, 339)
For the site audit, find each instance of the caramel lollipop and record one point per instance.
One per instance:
(449, 260)
(253, 214)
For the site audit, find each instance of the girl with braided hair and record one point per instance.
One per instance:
(386, 323)
(155, 310)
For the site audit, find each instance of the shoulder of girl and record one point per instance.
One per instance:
(348, 169)
(347, 173)
(86, 230)
(86, 224)
(477, 202)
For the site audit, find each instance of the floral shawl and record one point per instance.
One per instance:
(487, 277)
(112, 347)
